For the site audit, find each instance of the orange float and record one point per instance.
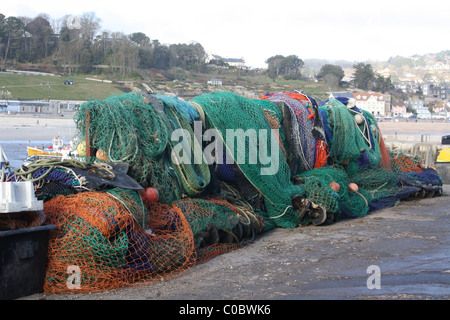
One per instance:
(101, 155)
(353, 187)
(335, 186)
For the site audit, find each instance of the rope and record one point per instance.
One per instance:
(25, 172)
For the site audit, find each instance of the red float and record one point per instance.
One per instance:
(150, 194)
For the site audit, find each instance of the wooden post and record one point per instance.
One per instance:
(89, 148)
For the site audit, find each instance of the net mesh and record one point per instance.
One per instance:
(228, 111)
(309, 152)
(128, 129)
(117, 239)
(314, 164)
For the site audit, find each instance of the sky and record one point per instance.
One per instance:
(256, 30)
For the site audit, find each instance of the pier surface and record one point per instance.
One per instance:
(408, 244)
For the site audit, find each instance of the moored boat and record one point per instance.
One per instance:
(56, 149)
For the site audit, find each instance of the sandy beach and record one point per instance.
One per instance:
(415, 128)
(14, 127)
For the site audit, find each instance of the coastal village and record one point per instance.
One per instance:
(424, 90)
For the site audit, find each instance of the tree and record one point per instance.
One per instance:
(145, 58)
(12, 27)
(281, 65)
(335, 70)
(90, 25)
(364, 76)
(187, 56)
(383, 84)
(140, 39)
(399, 61)
(123, 56)
(161, 57)
(331, 74)
(274, 65)
(145, 50)
(42, 34)
(292, 65)
(100, 47)
(85, 60)
(2, 25)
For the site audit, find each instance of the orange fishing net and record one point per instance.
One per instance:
(105, 240)
(385, 157)
(402, 162)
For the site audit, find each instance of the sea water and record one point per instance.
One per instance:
(16, 150)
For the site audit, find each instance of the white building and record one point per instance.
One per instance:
(215, 82)
(233, 62)
(371, 102)
(238, 63)
(421, 111)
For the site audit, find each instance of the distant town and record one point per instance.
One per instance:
(415, 87)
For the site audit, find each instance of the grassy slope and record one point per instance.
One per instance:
(38, 87)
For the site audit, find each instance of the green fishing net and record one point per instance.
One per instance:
(136, 129)
(228, 111)
(351, 141)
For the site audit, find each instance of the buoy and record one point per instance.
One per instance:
(359, 118)
(101, 155)
(150, 194)
(81, 148)
(353, 187)
(335, 186)
(351, 103)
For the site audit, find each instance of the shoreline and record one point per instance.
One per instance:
(14, 127)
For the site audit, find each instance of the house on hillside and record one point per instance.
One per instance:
(440, 107)
(233, 62)
(419, 107)
(435, 90)
(398, 107)
(215, 82)
(415, 104)
(374, 102)
(210, 57)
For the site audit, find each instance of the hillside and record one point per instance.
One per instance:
(40, 87)
(427, 67)
(175, 82)
(187, 84)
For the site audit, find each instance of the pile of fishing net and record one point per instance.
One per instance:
(115, 238)
(361, 175)
(224, 169)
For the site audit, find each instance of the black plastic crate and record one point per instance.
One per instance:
(23, 260)
(446, 139)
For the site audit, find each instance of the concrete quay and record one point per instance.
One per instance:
(396, 253)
